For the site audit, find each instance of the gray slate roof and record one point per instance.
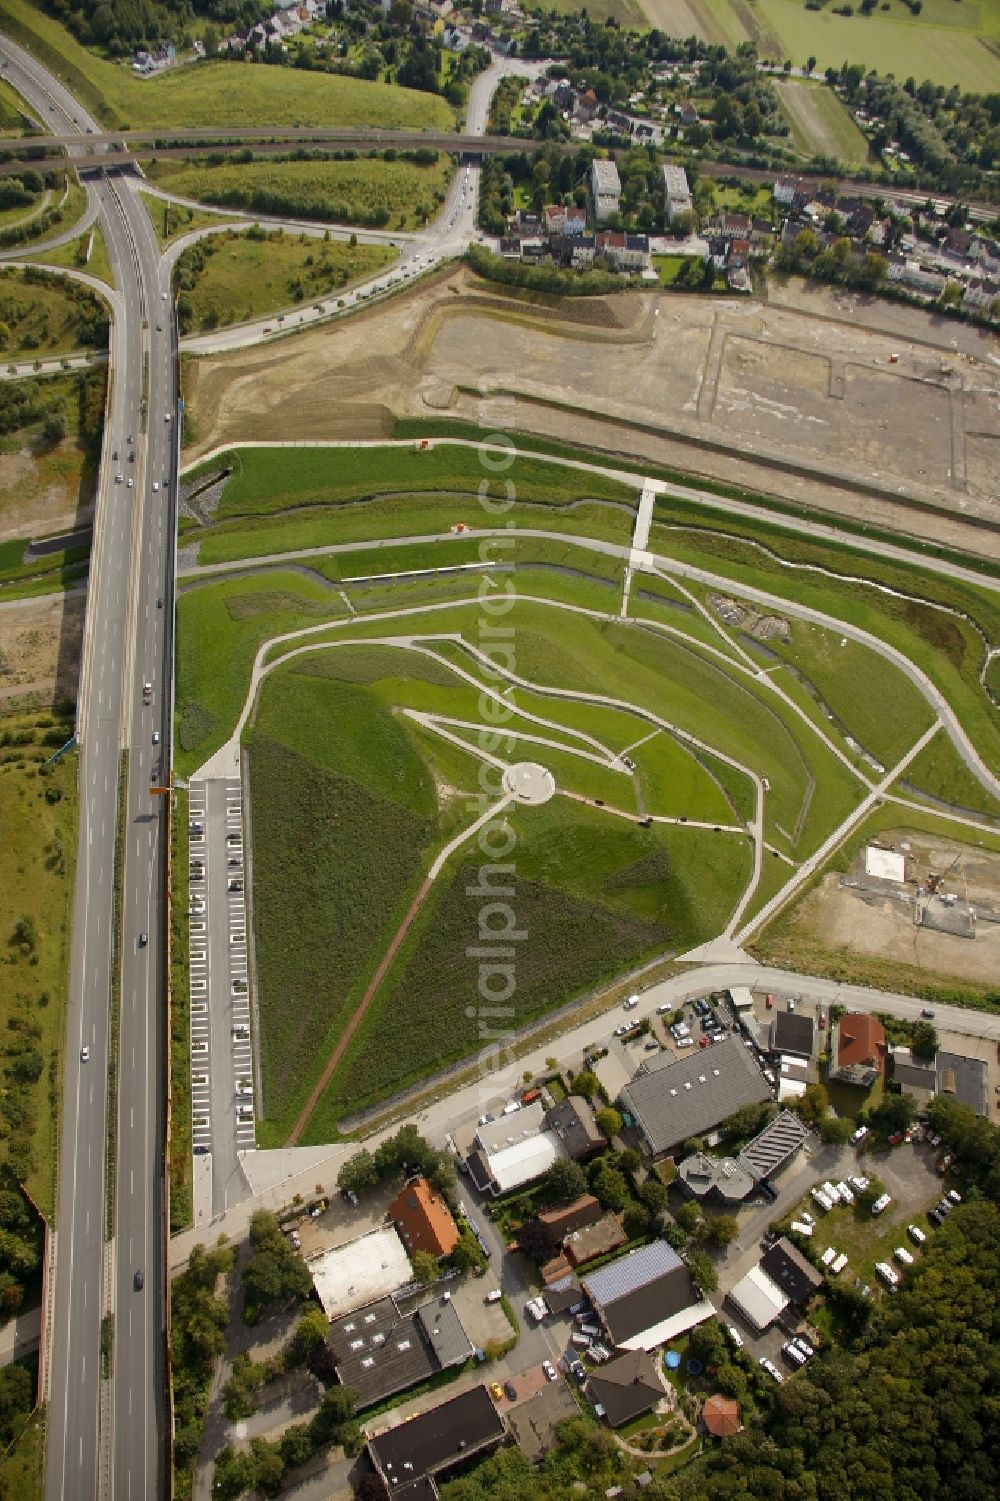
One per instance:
(633, 1271)
(674, 1098)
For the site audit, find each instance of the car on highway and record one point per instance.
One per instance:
(143, 940)
(156, 486)
(119, 477)
(138, 1281)
(156, 737)
(131, 482)
(159, 602)
(84, 1054)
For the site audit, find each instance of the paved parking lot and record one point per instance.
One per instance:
(221, 1047)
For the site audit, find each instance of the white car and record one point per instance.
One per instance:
(549, 1369)
(130, 482)
(771, 1369)
(156, 485)
(84, 1054)
(917, 1235)
(735, 1336)
(903, 1256)
(881, 1203)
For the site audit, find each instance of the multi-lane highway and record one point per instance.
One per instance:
(108, 1438)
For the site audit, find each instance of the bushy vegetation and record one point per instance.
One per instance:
(543, 278)
(274, 1273)
(199, 1314)
(389, 189)
(262, 1468)
(38, 819)
(44, 312)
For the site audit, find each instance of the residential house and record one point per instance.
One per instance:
(591, 1241)
(911, 275)
(858, 1049)
(782, 1276)
(626, 1388)
(586, 106)
(792, 1032)
(556, 1224)
(564, 220)
(514, 1150)
(423, 1219)
(686, 113)
(723, 1178)
(433, 1443)
(645, 1298)
(676, 192)
(624, 252)
(979, 296)
(915, 1076)
(564, 1296)
(785, 190)
(574, 1122)
(385, 1347)
(617, 124)
(673, 1098)
(964, 1079)
(606, 190)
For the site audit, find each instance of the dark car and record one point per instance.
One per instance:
(143, 940)
(138, 1281)
(510, 1390)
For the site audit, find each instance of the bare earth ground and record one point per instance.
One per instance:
(838, 917)
(40, 493)
(40, 649)
(851, 391)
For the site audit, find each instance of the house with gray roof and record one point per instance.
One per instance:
(646, 1298)
(671, 1099)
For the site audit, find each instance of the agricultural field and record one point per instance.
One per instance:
(217, 93)
(821, 125)
(367, 190)
(950, 41)
(38, 814)
(43, 314)
(633, 13)
(232, 277)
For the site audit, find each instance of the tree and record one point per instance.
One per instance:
(310, 1331)
(358, 1173)
(923, 1040)
(467, 1253)
(813, 1104)
(274, 1274)
(689, 1216)
(610, 1187)
(25, 934)
(721, 1229)
(609, 1121)
(564, 1181)
(586, 1083)
(54, 428)
(810, 65)
(835, 1130)
(425, 1266)
(702, 1269)
(654, 1195)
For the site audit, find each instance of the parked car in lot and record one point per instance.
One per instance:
(859, 1135)
(903, 1256)
(881, 1203)
(549, 1369)
(771, 1369)
(917, 1235)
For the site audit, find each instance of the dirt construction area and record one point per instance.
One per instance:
(41, 492)
(944, 917)
(40, 649)
(793, 396)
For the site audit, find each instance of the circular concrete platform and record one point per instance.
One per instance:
(529, 782)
